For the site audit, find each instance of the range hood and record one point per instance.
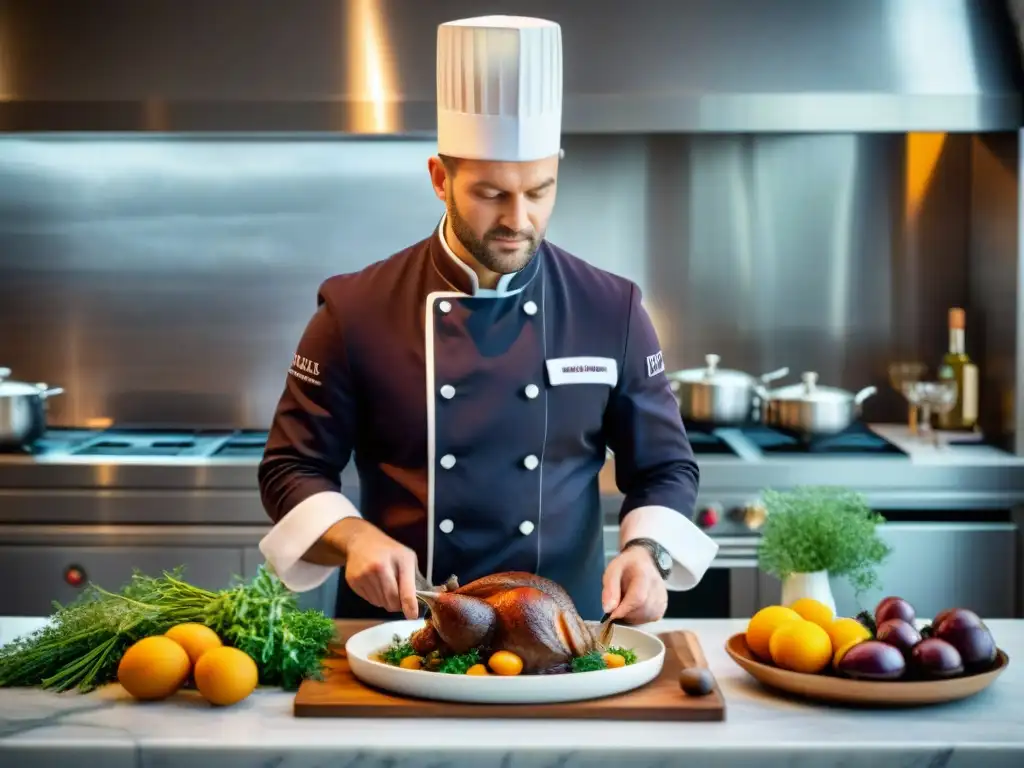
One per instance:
(647, 66)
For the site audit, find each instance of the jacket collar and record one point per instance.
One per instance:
(458, 274)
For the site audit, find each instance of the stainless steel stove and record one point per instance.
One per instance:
(97, 503)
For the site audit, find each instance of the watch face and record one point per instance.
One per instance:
(665, 561)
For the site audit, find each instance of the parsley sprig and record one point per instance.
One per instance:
(460, 663)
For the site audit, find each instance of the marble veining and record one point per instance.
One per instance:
(762, 729)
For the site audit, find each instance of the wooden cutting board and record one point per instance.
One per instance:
(340, 694)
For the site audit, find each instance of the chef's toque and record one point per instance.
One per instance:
(499, 88)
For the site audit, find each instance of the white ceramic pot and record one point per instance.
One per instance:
(814, 585)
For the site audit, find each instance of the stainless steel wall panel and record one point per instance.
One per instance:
(167, 281)
(367, 66)
(995, 329)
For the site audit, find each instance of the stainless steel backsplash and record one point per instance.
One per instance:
(166, 280)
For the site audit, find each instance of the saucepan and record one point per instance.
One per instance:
(811, 409)
(712, 395)
(22, 411)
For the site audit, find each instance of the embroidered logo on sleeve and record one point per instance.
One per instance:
(305, 369)
(655, 364)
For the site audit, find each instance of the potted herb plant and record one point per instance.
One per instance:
(813, 533)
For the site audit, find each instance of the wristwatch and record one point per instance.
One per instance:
(662, 559)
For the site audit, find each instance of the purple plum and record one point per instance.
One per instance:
(894, 608)
(936, 659)
(900, 635)
(974, 642)
(872, 660)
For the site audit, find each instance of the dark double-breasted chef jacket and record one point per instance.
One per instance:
(478, 422)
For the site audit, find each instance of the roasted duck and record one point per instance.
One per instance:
(525, 614)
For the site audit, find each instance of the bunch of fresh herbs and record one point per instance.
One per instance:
(815, 528)
(83, 642)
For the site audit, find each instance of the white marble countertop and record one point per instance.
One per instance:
(761, 729)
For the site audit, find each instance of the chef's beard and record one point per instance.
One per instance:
(497, 261)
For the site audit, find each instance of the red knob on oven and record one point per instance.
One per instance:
(708, 517)
(74, 576)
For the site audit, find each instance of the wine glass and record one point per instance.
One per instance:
(902, 376)
(939, 396)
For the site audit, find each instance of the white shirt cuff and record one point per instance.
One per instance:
(691, 549)
(293, 535)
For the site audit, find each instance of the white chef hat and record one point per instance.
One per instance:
(499, 88)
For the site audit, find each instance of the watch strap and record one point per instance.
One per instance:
(658, 554)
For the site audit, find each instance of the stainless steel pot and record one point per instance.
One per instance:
(712, 395)
(810, 409)
(22, 411)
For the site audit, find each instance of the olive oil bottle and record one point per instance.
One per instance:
(958, 364)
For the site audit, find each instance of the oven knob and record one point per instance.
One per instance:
(708, 517)
(754, 515)
(74, 576)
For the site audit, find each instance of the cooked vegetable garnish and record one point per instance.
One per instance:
(397, 651)
(505, 663)
(596, 660)
(613, 660)
(480, 661)
(590, 662)
(460, 664)
(625, 653)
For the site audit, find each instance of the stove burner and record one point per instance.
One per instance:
(856, 439)
(131, 448)
(705, 443)
(54, 439)
(21, 450)
(146, 441)
(245, 444)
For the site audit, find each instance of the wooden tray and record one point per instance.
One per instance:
(340, 694)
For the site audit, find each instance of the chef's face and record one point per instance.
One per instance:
(498, 211)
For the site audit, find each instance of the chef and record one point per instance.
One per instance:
(477, 377)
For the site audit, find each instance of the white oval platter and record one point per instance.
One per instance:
(362, 648)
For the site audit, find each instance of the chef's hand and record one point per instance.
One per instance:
(634, 591)
(379, 569)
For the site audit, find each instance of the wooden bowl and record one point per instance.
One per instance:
(840, 690)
